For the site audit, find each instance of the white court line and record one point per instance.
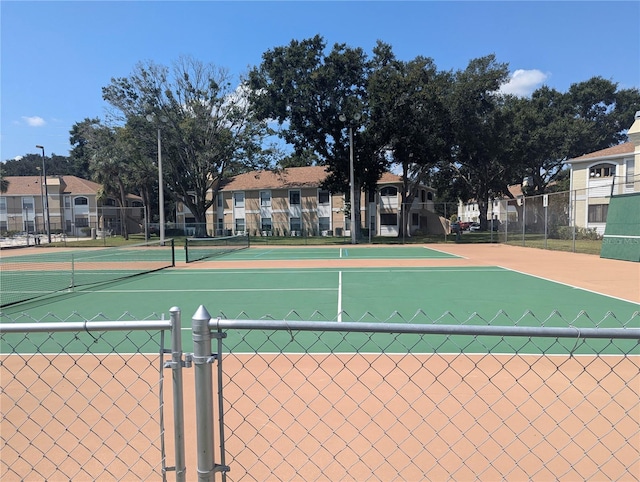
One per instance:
(347, 353)
(621, 236)
(445, 252)
(268, 251)
(206, 272)
(571, 286)
(208, 290)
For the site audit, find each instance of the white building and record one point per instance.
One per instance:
(502, 209)
(598, 175)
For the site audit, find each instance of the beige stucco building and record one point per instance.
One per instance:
(73, 207)
(292, 202)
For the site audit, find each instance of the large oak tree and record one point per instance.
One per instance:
(208, 128)
(305, 90)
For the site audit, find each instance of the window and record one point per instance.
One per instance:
(423, 196)
(80, 201)
(67, 202)
(240, 225)
(27, 203)
(323, 197)
(598, 213)
(294, 224)
(324, 224)
(294, 198)
(219, 200)
(265, 198)
(109, 202)
(265, 224)
(602, 170)
(3, 204)
(3, 227)
(388, 219)
(415, 219)
(430, 196)
(630, 171)
(372, 196)
(238, 200)
(389, 191)
(82, 222)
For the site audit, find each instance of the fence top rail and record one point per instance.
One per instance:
(75, 326)
(426, 329)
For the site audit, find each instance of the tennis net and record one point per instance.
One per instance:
(32, 275)
(203, 248)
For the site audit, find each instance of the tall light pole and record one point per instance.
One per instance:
(46, 195)
(39, 169)
(352, 190)
(152, 118)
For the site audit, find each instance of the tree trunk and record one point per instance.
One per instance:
(123, 210)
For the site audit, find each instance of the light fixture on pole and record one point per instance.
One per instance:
(352, 192)
(152, 118)
(46, 196)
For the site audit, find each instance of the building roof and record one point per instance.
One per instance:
(59, 185)
(389, 178)
(30, 185)
(77, 185)
(515, 190)
(22, 186)
(615, 151)
(291, 177)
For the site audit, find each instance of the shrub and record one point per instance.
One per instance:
(566, 232)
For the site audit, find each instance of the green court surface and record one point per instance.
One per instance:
(264, 254)
(443, 295)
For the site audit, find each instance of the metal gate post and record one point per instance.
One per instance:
(178, 402)
(202, 360)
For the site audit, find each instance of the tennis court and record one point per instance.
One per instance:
(415, 284)
(320, 404)
(311, 253)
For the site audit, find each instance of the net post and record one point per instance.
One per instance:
(72, 283)
(173, 253)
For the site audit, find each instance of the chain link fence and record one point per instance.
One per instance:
(31, 229)
(394, 399)
(559, 221)
(84, 400)
(429, 401)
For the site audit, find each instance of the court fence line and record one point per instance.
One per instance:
(321, 399)
(77, 406)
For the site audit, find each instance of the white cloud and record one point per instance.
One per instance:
(17, 158)
(34, 121)
(523, 82)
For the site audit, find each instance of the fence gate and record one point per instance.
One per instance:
(78, 404)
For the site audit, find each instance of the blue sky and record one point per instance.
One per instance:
(56, 56)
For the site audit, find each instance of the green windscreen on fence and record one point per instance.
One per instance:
(622, 234)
